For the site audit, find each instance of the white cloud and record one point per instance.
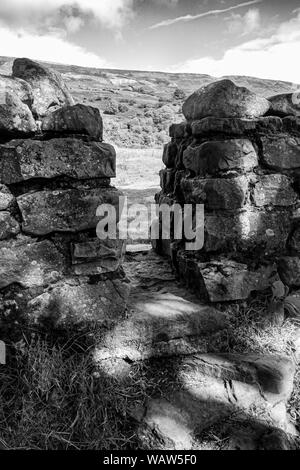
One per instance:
(275, 57)
(47, 47)
(29, 13)
(244, 24)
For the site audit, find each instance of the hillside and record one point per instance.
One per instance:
(138, 106)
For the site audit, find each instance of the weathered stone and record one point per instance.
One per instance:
(161, 324)
(15, 116)
(169, 154)
(224, 99)
(213, 387)
(29, 263)
(281, 152)
(48, 88)
(97, 256)
(285, 104)
(75, 303)
(227, 126)
(214, 156)
(6, 198)
(77, 119)
(70, 210)
(289, 270)
(249, 230)
(216, 193)
(274, 190)
(8, 225)
(18, 87)
(291, 123)
(167, 180)
(22, 160)
(177, 131)
(226, 280)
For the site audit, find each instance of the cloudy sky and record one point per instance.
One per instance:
(217, 37)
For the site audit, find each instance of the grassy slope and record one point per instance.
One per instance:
(143, 103)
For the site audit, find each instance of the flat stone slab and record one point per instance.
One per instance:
(212, 388)
(22, 160)
(161, 324)
(70, 210)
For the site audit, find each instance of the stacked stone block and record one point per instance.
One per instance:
(54, 173)
(240, 157)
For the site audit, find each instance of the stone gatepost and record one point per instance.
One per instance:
(235, 155)
(54, 173)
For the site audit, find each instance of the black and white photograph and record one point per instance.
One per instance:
(149, 229)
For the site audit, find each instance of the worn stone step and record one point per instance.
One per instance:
(211, 388)
(161, 324)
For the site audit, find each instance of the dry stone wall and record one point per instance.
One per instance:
(54, 173)
(238, 155)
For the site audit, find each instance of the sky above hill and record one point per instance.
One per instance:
(216, 37)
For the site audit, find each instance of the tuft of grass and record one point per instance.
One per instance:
(51, 398)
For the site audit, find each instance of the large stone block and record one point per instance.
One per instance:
(75, 303)
(29, 263)
(281, 152)
(224, 99)
(6, 198)
(221, 155)
(71, 210)
(77, 119)
(49, 90)
(22, 160)
(216, 193)
(226, 280)
(274, 190)
(15, 116)
(249, 230)
(8, 226)
(169, 154)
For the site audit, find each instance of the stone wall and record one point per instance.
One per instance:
(54, 173)
(239, 155)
